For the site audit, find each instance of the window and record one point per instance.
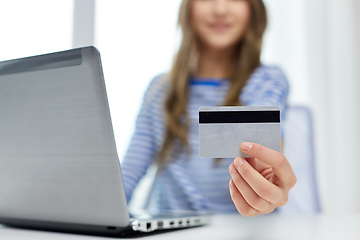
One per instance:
(34, 27)
(137, 41)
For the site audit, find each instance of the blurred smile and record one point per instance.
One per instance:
(219, 27)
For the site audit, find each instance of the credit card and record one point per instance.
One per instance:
(223, 129)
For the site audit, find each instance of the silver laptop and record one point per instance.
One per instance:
(59, 167)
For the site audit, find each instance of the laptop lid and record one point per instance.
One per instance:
(58, 159)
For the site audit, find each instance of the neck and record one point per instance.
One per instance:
(215, 63)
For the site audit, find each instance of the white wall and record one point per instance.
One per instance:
(333, 37)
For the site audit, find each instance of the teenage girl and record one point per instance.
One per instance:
(218, 63)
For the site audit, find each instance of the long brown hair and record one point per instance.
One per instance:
(176, 119)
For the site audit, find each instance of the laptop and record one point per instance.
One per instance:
(59, 168)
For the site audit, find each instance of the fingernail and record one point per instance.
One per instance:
(238, 162)
(246, 146)
(231, 184)
(232, 169)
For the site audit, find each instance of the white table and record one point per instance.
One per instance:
(227, 227)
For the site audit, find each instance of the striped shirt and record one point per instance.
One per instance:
(188, 182)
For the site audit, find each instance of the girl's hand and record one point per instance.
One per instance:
(262, 183)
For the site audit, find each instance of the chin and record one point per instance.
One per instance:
(221, 43)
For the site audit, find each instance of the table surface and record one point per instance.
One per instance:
(346, 226)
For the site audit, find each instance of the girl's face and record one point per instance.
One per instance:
(220, 24)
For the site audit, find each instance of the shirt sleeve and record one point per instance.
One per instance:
(272, 88)
(142, 148)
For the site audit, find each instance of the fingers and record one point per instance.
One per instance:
(250, 196)
(276, 160)
(257, 164)
(263, 183)
(260, 185)
(241, 205)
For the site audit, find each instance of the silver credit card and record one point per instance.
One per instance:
(223, 129)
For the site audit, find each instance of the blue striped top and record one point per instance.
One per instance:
(188, 181)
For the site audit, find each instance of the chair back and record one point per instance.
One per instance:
(298, 148)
